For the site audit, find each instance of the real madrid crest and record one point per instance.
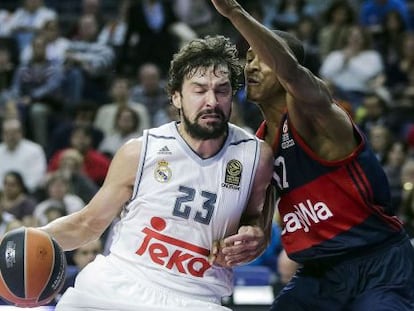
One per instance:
(162, 172)
(234, 170)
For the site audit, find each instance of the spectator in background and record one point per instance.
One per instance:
(21, 155)
(55, 211)
(36, 89)
(71, 166)
(150, 91)
(306, 31)
(373, 13)
(87, 253)
(389, 42)
(337, 20)
(373, 111)
(393, 162)
(16, 199)
(407, 188)
(95, 164)
(352, 70)
(81, 8)
(27, 20)
(289, 12)
(93, 7)
(7, 69)
(87, 63)
(57, 195)
(199, 15)
(6, 220)
(126, 126)
(380, 139)
(409, 138)
(83, 115)
(56, 44)
(153, 35)
(407, 95)
(5, 23)
(120, 95)
(114, 31)
(399, 74)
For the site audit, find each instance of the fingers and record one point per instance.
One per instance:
(238, 249)
(214, 252)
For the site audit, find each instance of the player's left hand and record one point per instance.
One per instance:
(240, 248)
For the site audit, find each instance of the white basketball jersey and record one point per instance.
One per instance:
(181, 204)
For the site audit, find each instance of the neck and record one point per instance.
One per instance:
(272, 111)
(204, 148)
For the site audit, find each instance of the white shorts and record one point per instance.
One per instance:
(101, 287)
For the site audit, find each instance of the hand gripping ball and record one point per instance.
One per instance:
(32, 267)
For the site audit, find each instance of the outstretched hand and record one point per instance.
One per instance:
(241, 248)
(225, 7)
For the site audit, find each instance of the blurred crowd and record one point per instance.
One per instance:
(78, 78)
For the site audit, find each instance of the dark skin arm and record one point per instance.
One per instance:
(312, 110)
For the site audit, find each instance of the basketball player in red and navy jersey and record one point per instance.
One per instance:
(334, 197)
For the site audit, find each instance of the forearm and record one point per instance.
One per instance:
(71, 231)
(269, 211)
(271, 48)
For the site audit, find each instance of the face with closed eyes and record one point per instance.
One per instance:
(205, 102)
(260, 80)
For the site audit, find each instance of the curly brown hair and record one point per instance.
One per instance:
(204, 53)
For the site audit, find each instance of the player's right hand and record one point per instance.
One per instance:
(225, 7)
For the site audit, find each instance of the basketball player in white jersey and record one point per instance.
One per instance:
(180, 188)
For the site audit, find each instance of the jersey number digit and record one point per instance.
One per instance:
(283, 184)
(183, 210)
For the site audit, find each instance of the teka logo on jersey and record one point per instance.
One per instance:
(187, 258)
(305, 214)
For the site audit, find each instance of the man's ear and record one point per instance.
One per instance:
(176, 100)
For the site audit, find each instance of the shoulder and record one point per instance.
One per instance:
(240, 133)
(167, 130)
(124, 164)
(130, 150)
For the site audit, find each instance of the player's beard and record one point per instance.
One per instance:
(211, 131)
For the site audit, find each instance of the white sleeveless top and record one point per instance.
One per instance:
(181, 203)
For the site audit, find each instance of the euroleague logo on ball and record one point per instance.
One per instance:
(10, 254)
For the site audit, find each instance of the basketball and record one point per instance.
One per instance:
(32, 267)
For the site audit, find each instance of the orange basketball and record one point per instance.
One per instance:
(32, 267)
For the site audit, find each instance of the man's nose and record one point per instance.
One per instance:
(253, 64)
(211, 98)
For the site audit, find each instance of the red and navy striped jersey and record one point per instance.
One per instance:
(330, 208)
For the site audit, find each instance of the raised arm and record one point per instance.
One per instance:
(312, 110)
(89, 223)
(273, 51)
